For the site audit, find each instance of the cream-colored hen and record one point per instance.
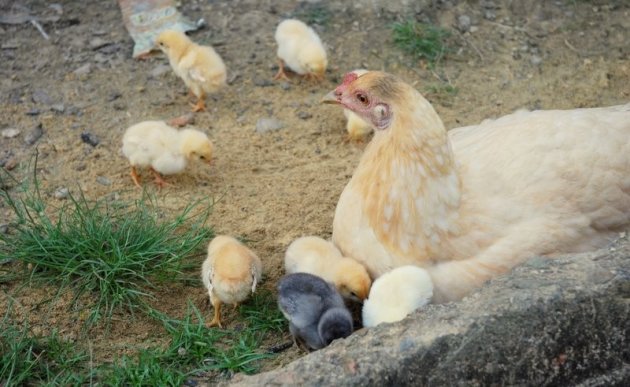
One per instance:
(300, 48)
(473, 203)
(200, 67)
(316, 256)
(230, 273)
(163, 149)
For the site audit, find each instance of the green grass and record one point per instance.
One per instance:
(114, 252)
(47, 360)
(422, 41)
(192, 351)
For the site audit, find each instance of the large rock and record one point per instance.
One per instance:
(561, 322)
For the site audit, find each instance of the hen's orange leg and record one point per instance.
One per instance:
(135, 177)
(158, 179)
(280, 74)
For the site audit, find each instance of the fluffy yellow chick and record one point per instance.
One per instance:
(397, 293)
(357, 127)
(164, 149)
(316, 256)
(230, 273)
(201, 68)
(300, 48)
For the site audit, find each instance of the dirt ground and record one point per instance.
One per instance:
(276, 186)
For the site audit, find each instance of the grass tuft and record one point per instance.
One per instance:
(116, 252)
(422, 41)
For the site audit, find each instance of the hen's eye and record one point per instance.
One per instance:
(362, 98)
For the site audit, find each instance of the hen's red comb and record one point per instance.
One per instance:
(349, 78)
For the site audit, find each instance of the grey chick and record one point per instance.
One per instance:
(316, 312)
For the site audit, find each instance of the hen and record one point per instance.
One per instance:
(473, 203)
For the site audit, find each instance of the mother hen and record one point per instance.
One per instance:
(472, 203)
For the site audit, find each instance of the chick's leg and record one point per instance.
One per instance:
(216, 320)
(158, 179)
(135, 177)
(280, 74)
(200, 106)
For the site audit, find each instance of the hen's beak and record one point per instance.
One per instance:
(330, 98)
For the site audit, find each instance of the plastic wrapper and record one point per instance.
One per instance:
(146, 19)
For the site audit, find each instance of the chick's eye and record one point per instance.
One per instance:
(362, 98)
(353, 294)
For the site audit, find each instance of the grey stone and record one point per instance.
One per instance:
(61, 193)
(41, 97)
(304, 115)
(58, 107)
(464, 23)
(265, 125)
(34, 135)
(535, 60)
(10, 132)
(102, 180)
(565, 324)
(89, 138)
(83, 70)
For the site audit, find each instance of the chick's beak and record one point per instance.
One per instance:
(331, 97)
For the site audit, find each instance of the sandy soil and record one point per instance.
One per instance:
(273, 187)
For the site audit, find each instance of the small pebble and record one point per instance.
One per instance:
(97, 43)
(33, 112)
(4, 228)
(58, 108)
(83, 70)
(102, 180)
(535, 60)
(61, 193)
(262, 82)
(265, 125)
(285, 86)
(34, 135)
(10, 133)
(89, 138)
(304, 115)
(41, 97)
(463, 23)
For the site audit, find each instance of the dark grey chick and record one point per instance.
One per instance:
(316, 312)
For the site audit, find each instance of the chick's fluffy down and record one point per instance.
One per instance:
(153, 144)
(396, 294)
(300, 47)
(231, 270)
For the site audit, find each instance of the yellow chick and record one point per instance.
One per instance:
(397, 293)
(357, 128)
(230, 273)
(164, 149)
(300, 48)
(201, 68)
(316, 256)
